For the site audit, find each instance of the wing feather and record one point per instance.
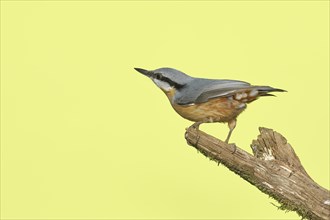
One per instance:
(201, 90)
(221, 90)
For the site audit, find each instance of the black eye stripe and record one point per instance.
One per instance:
(159, 76)
(169, 81)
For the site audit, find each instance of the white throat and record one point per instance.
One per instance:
(163, 85)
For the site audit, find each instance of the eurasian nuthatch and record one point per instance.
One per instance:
(206, 100)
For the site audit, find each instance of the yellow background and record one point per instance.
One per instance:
(83, 135)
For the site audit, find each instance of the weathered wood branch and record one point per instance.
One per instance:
(274, 169)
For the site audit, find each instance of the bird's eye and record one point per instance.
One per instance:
(158, 76)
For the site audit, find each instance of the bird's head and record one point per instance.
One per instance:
(166, 78)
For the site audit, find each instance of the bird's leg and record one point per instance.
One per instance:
(196, 125)
(231, 125)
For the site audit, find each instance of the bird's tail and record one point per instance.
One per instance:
(254, 92)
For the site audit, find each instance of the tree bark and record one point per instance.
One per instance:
(274, 169)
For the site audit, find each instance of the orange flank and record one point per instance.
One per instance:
(222, 109)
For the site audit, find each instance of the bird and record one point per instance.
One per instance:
(203, 100)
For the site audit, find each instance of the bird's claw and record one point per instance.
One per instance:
(197, 139)
(234, 146)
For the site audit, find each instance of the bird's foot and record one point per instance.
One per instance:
(197, 140)
(196, 127)
(234, 146)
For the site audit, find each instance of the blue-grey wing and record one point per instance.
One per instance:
(201, 90)
(221, 90)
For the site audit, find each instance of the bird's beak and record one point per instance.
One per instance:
(144, 72)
